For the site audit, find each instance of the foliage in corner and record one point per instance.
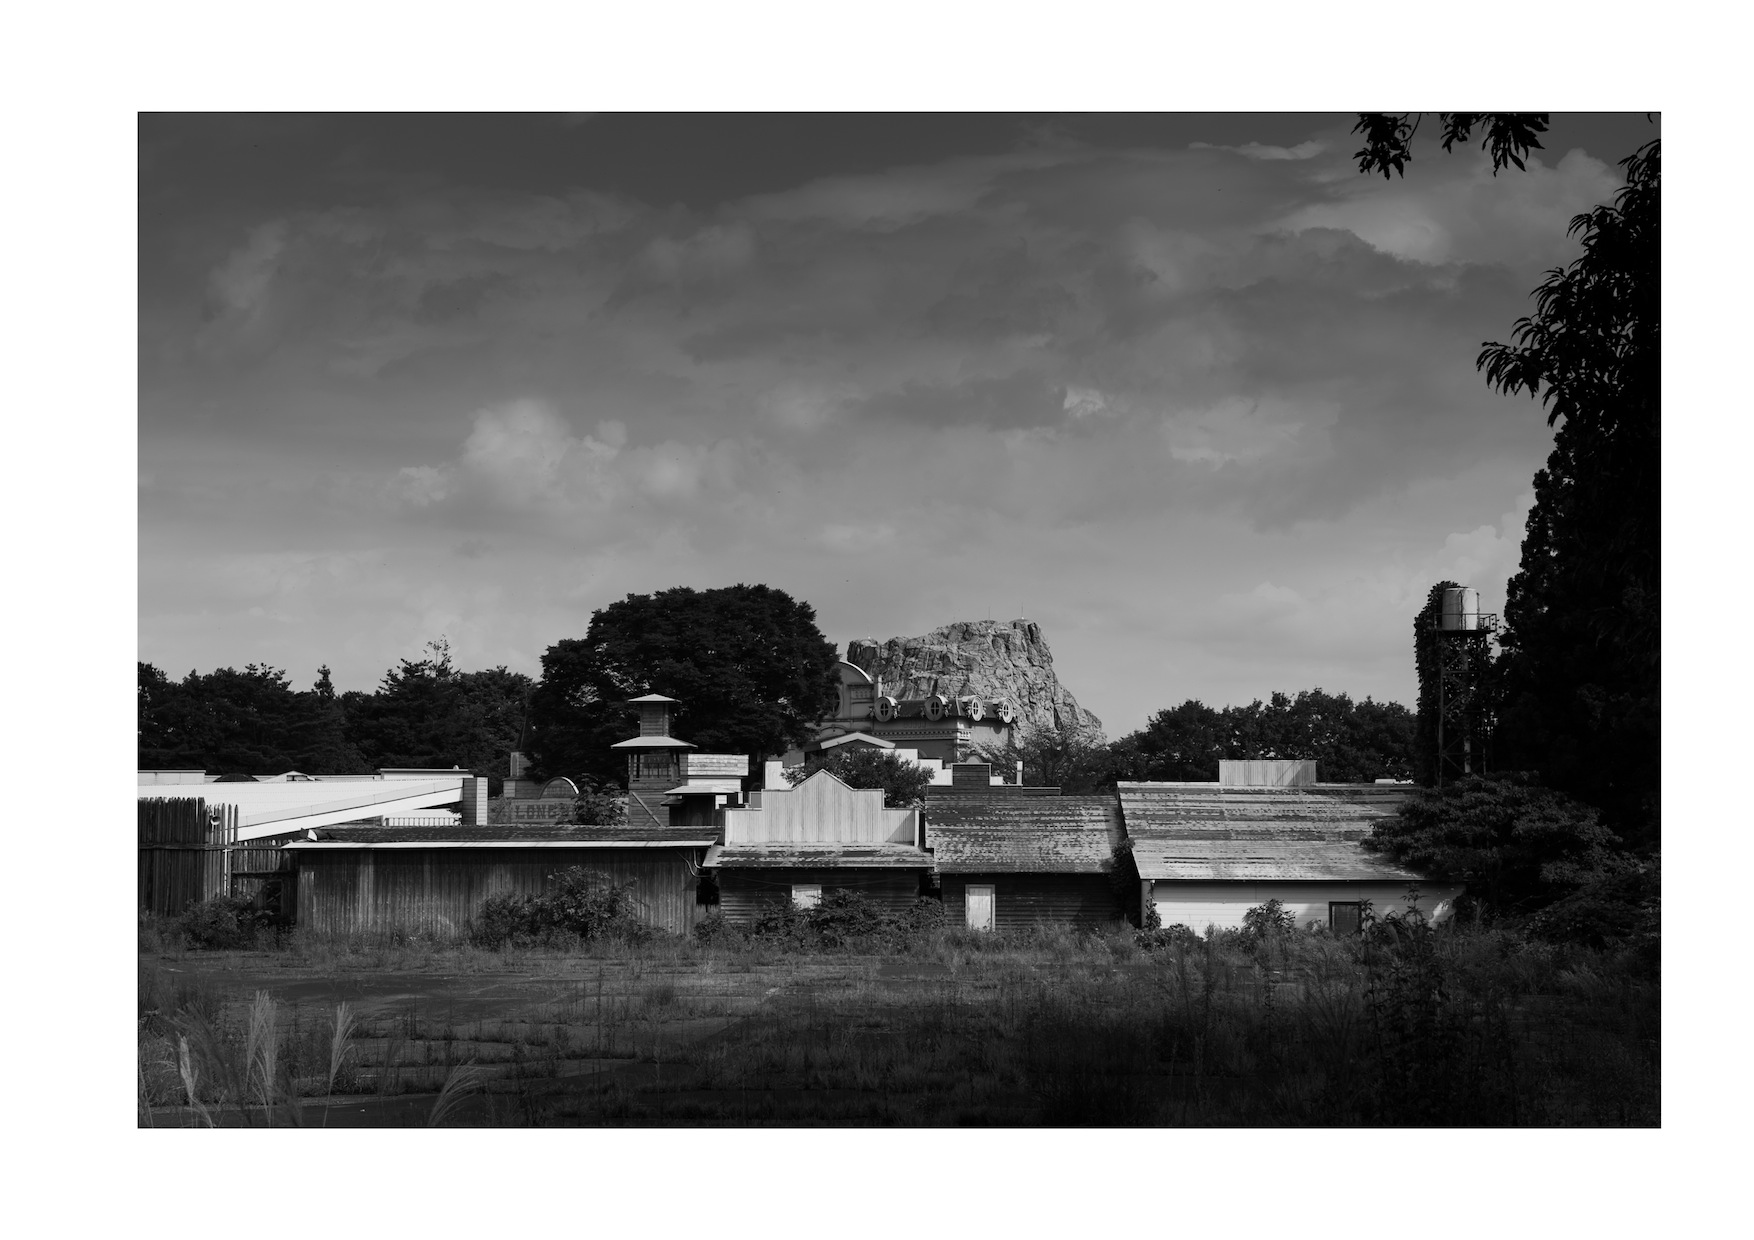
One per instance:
(1388, 137)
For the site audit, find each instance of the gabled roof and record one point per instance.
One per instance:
(651, 697)
(1213, 833)
(652, 742)
(1023, 835)
(851, 738)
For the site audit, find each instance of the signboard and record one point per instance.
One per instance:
(698, 764)
(553, 809)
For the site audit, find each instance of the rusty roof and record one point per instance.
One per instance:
(790, 855)
(1208, 832)
(1023, 834)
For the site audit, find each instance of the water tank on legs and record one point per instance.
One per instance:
(1460, 611)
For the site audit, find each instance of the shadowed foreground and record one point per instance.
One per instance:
(1470, 1027)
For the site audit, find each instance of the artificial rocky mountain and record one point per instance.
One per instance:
(994, 659)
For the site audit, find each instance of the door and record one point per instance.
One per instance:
(980, 907)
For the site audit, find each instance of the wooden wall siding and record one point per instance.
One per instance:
(436, 891)
(1266, 773)
(182, 852)
(1063, 835)
(1085, 901)
(1198, 905)
(821, 810)
(744, 893)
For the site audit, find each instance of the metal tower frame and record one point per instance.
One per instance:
(1457, 652)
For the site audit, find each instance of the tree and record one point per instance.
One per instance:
(1517, 845)
(1580, 684)
(1351, 742)
(238, 722)
(752, 671)
(1074, 760)
(904, 783)
(1577, 689)
(427, 713)
(1388, 137)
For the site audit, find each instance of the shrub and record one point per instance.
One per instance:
(221, 923)
(582, 904)
(1619, 909)
(1518, 845)
(713, 928)
(1271, 920)
(599, 805)
(1157, 938)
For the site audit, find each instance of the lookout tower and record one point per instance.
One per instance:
(654, 761)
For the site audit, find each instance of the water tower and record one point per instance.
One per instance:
(1460, 635)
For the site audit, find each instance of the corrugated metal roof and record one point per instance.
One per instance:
(1023, 834)
(789, 855)
(447, 844)
(1209, 832)
(555, 832)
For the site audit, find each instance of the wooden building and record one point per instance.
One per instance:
(431, 880)
(1008, 856)
(795, 844)
(1208, 852)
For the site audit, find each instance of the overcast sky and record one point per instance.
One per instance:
(1189, 391)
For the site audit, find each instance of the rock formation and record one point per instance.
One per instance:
(997, 659)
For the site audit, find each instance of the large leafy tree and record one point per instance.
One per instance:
(1516, 844)
(752, 671)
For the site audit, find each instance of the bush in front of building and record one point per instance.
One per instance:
(222, 923)
(581, 905)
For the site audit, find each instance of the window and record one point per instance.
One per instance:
(1343, 917)
(806, 895)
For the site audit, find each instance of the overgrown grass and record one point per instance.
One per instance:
(1463, 1025)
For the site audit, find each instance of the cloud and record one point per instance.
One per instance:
(1255, 150)
(241, 283)
(1213, 412)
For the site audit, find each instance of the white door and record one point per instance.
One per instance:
(980, 907)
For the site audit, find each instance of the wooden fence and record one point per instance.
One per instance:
(184, 852)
